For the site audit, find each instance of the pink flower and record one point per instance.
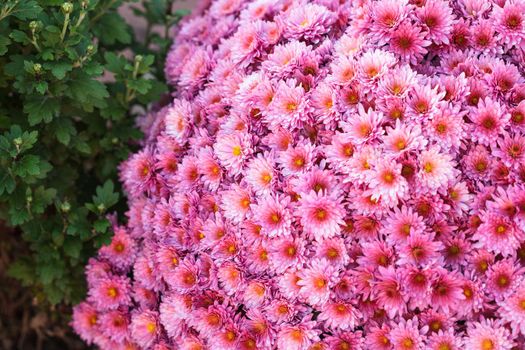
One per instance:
(260, 174)
(308, 21)
(273, 215)
(86, 322)
(110, 293)
(178, 119)
(406, 335)
(512, 309)
(387, 184)
(321, 214)
(289, 107)
(408, 41)
(437, 17)
(297, 337)
(316, 281)
(435, 169)
(497, 234)
(489, 119)
(233, 150)
(339, 315)
(488, 334)
(114, 325)
(121, 251)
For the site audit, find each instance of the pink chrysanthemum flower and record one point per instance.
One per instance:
(110, 293)
(488, 334)
(365, 126)
(511, 150)
(387, 184)
(260, 174)
(374, 64)
(321, 214)
(178, 119)
(286, 58)
(339, 315)
(509, 20)
(489, 119)
(144, 328)
(435, 169)
(273, 215)
(121, 251)
(386, 16)
(503, 277)
(307, 21)
(497, 234)
(316, 282)
(406, 335)
(86, 322)
(444, 340)
(289, 108)
(236, 203)
(403, 223)
(437, 18)
(115, 325)
(297, 337)
(388, 291)
(408, 41)
(232, 151)
(512, 310)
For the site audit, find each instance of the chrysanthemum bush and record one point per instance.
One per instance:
(329, 175)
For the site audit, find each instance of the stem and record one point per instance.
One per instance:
(35, 43)
(64, 28)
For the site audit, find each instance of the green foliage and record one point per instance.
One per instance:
(66, 92)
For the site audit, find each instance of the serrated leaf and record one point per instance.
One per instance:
(28, 165)
(111, 29)
(4, 43)
(22, 270)
(101, 225)
(142, 86)
(88, 92)
(105, 195)
(20, 37)
(115, 63)
(26, 9)
(41, 108)
(7, 183)
(59, 69)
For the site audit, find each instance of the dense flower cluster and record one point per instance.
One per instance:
(329, 175)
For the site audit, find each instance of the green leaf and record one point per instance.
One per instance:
(112, 28)
(42, 198)
(88, 92)
(41, 108)
(20, 37)
(64, 130)
(4, 43)
(101, 225)
(28, 165)
(22, 270)
(72, 246)
(7, 183)
(26, 9)
(105, 195)
(115, 63)
(59, 69)
(142, 86)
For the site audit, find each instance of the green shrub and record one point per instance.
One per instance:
(66, 94)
